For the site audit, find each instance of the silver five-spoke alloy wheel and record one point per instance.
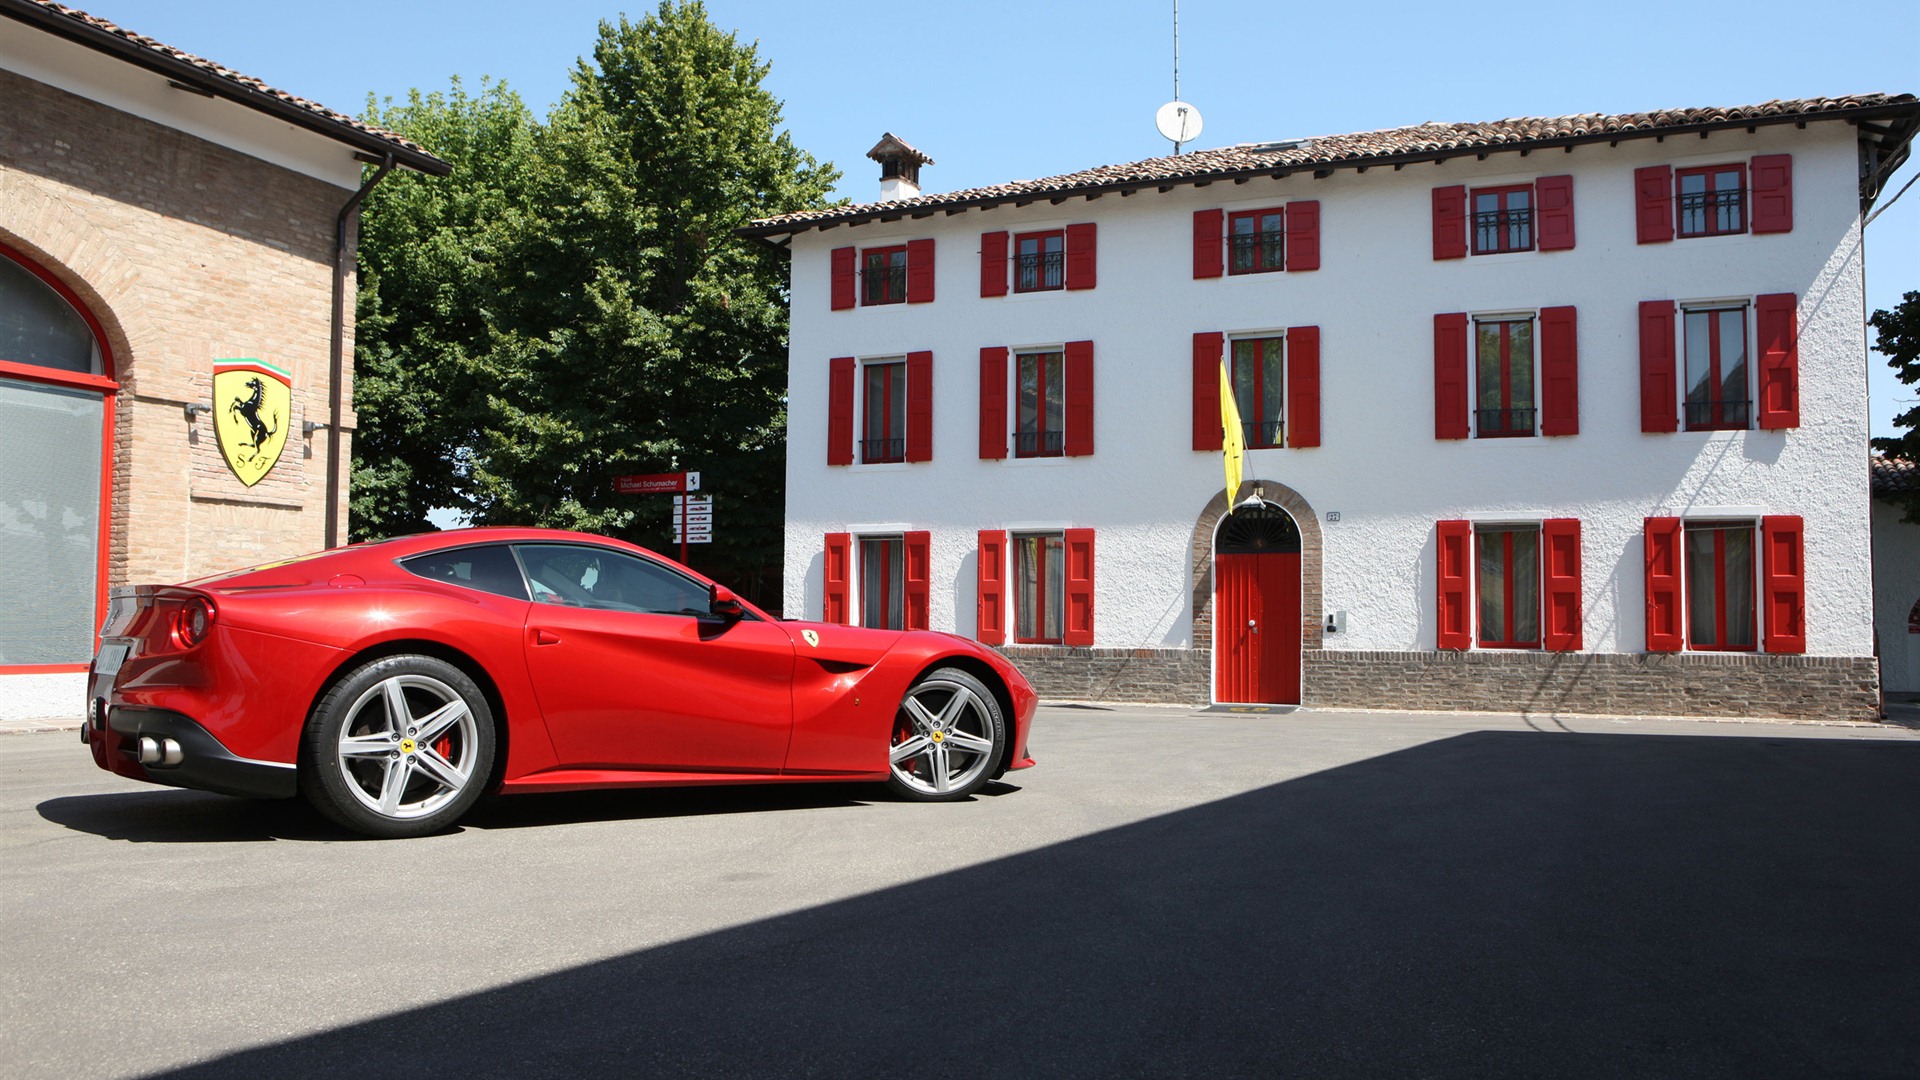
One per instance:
(946, 737)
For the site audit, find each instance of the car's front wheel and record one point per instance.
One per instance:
(400, 747)
(947, 737)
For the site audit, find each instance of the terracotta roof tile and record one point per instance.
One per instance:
(1427, 141)
(1894, 476)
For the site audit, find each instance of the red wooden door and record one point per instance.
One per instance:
(1256, 604)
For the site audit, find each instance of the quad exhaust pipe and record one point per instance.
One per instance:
(160, 751)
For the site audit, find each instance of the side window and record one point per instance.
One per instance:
(580, 576)
(489, 568)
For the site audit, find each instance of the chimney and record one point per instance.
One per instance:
(899, 167)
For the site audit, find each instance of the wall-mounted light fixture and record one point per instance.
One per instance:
(195, 408)
(307, 428)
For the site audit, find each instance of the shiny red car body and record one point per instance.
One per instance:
(219, 683)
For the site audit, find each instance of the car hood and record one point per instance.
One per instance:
(833, 643)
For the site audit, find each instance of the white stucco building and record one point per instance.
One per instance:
(1559, 414)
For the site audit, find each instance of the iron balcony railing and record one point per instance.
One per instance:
(1709, 212)
(1038, 444)
(879, 450)
(1503, 423)
(1257, 251)
(1040, 270)
(1725, 413)
(887, 285)
(1263, 433)
(1503, 230)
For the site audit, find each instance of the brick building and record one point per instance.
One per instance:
(176, 336)
(1560, 414)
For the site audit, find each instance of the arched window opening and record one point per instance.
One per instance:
(1255, 530)
(41, 328)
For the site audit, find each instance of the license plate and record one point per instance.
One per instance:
(112, 655)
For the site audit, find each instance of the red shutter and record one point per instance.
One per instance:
(993, 264)
(1079, 418)
(1303, 235)
(1206, 390)
(919, 406)
(1454, 625)
(919, 579)
(1303, 386)
(1773, 193)
(835, 578)
(843, 265)
(993, 402)
(1653, 195)
(1554, 195)
(920, 271)
(1560, 573)
(1664, 627)
(1779, 333)
(1081, 256)
(1209, 259)
(1078, 629)
(1559, 371)
(840, 411)
(990, 619)
(1450, 222)
(1450, 376)
(1657, 372)
(1784, 574)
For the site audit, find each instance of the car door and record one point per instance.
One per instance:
(633, 671)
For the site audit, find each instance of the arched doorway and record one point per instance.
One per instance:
(1256, 606)
(56, 444)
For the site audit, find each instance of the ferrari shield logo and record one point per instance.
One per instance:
(813, 639)
(252, 403)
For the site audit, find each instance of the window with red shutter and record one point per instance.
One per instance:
(883, 275)
(1082, 256)
(1773, 193)
(1777, 326)
(1257, 241)
(1453, 564)
(1079, 390)
(836, 577)
(1450, 222)
(1653, 204)
(1664, 609)
(993, 264)
(1503, 219)
(1715, 371)
(1256, 369)
(993, 402)
(883, 589)
(1303, 235)
(990, 615)
(1718, 560)
(1712, 200)
(843, 261)
(1303, 386)
(1207, 260)
(840, 411)
(1207, 350)
(883, 395)
(1039, 588)
(920, 271)
(1785, 583)
(1560, 575)
(1559, 371)
(1657, 392)
(920, 406)
(1506, 578)
(1450, 376)
(1555, 196)
(918, 577)
(1079, 588)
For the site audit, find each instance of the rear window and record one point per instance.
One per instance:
(490, 569)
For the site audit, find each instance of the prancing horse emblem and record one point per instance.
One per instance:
(253, 402)
(813, 639)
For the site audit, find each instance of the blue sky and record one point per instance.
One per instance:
(996, 90)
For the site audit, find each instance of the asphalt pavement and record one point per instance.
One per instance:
(1167, 894)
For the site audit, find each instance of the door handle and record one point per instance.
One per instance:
(543, 637)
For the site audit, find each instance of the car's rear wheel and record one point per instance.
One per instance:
(947, 736)
(400, 747)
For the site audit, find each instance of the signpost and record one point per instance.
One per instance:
(677, 484)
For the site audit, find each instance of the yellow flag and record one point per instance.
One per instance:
(1235, 442)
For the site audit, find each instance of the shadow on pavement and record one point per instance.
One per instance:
(1495, 904)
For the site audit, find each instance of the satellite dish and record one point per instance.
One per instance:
(1178, 122)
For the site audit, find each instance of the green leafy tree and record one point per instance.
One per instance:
(426, 289)
(1897, 337)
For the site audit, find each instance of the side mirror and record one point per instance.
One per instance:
(725, 605)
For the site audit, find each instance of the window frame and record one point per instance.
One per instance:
(1479, 428)
(1044, 261)
(1720, 526)
(1710, 221)
(1260, 424)
(1505, 226)
(893, 592)
(893, 371)
(889, 276)
(1716, 400)
(1265, 242)
(1041, 441)
(1050, 584)
(1507, 530)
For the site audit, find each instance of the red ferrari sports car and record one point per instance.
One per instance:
(392, 683)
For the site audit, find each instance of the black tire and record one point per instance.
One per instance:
(391, 776)
(947, 738)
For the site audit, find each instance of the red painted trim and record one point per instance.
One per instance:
(993, 264)
(1773, 193)
(1303, 386)
(1554, 217)
(993, 403)
(1077, 625)
(1653, 205)
(1207, 352)
(990, 614)
(1078, 415)
(1777, 326)
(920, 406)
(840, 410)
(835, 577)
(43, 669)
(1453, 626)
(842, 265)
(1658, 378)
(1303, 235)
(1666, 611)
(1561, 618)
(1082, 256)
(57, 377)
(917, 590)
(1784, 582)
(920, 271)
(1208, 260)
(1450, 222)
(1450, 382)
(1559, 371)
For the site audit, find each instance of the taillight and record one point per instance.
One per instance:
(194, 622)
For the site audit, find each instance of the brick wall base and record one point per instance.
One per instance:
(1534, 683)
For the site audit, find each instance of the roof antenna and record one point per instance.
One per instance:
(1178, 121)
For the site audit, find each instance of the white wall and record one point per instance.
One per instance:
(1379, 464)
(1896, 588)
